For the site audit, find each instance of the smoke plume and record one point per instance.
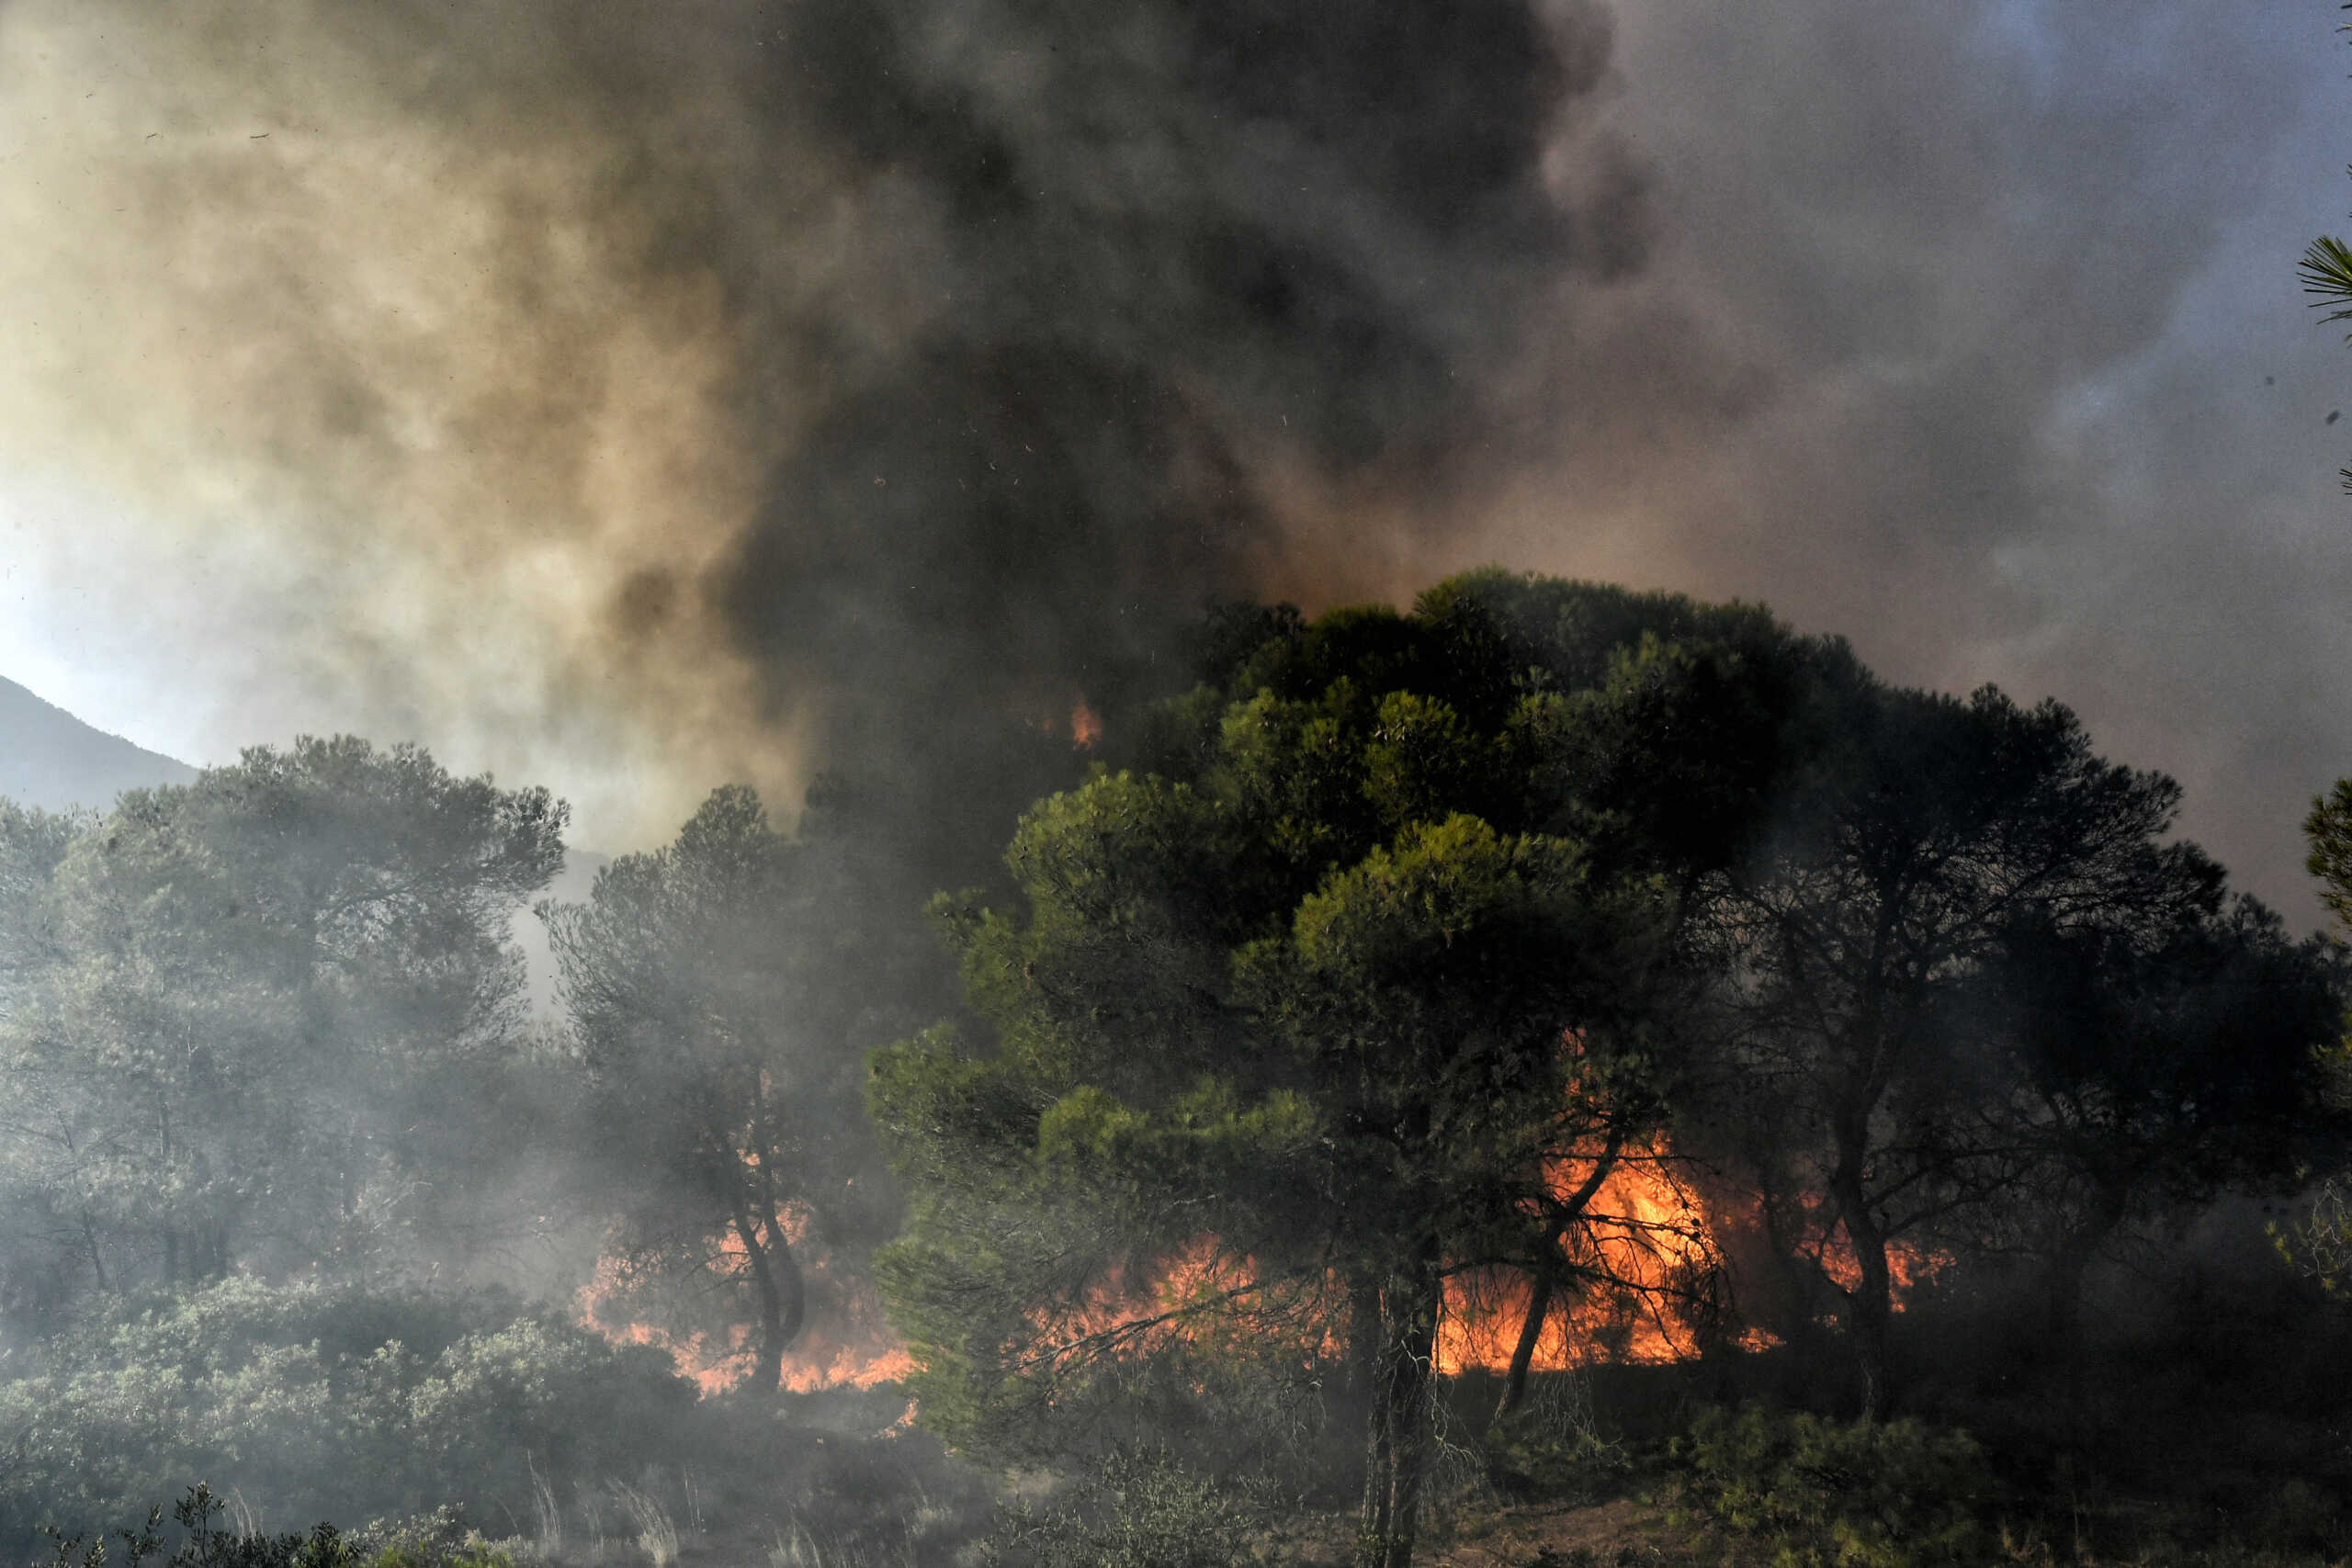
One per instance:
(636, 395)
(770, 379)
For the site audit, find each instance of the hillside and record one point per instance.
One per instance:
(49, 759)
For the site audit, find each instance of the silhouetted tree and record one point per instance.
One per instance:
(2322, 1245)
(1902, 866)
(2151, 1060)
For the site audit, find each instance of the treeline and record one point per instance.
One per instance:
(1391, 970)
(1402, 934)
(297, 1195)
(265, 1023)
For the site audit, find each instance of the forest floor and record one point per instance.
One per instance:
(1620, 1533)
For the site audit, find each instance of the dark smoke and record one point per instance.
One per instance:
(640, 394)
(1024, 305)
(1174, 243)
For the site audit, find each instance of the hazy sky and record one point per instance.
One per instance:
(631, 395)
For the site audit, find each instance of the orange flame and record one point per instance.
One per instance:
(845, 1342)
(1646, 1236)
(1648, 1250)
(1152, 1306)
(1641, 1228)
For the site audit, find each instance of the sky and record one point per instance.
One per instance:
(630, 397)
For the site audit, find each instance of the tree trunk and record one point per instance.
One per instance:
(1523, 1355)
(1397, 1455)
(2064, 1325)
(777, 1277)
(790, 1284)
(2070, 1261)
(1530, 1329)
(1869, 1305)
(1350, 1405)
(1873, 1310)
(171, 1236)
(1379, 1485)
(97, 1261)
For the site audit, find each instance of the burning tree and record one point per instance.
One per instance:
(704, 984)
(1308, 1020)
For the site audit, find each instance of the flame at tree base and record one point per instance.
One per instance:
(845, 1342)
(1644, 1281)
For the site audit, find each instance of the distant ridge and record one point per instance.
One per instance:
(49, 759)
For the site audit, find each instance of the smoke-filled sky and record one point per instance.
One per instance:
(628, 395)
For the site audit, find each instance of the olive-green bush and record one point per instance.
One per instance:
(1134, 1508)
(304, 1402)
(1856, 1495)
(205, 1541)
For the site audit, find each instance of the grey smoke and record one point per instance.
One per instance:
(736, 386)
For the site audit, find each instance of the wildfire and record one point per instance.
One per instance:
(845, 1343)
(1645, 1241)
(1647, 1231)
(1909, 1267)
(1143, 1313)
(1645, 1261)
(1656, 1250)
(1085, 726)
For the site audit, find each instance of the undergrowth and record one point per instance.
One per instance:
(1822, 1492)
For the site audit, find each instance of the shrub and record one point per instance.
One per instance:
(1136, 1508)
(1858, 1494)
(438, 1540)
(1553, 1446)
(310, 1401)
(442, 1539)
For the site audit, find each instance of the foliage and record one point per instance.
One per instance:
(2326, 271)
(705, 983)
(1133, 1508)
(1860, 1081)
(1551, 1445)
(2328, 829)
(1858, 1494)
(266, 1021)
(1326, 1005)
(444, 1538)
(1317, 1008)
(32, 842)
(2321, 1246)
(309, 1400)
(2152, 1062)
(206, 1541)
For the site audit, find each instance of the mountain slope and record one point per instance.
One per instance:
(49, 759)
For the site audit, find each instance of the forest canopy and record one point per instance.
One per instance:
(1420, 1006)
(1401, 934)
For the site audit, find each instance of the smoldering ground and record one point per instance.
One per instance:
(638, 395)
